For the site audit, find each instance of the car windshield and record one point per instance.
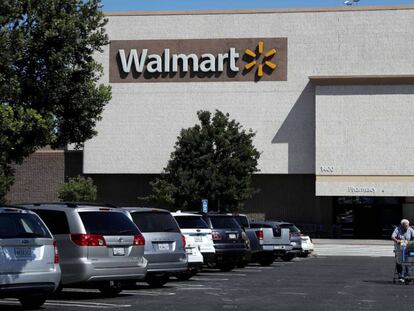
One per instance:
(155, 222)
(224, 222)
(292, 228)
(190, 222)
(108, 223)
(19, 225)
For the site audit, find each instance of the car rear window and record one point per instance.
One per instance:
(242, 220)
(292, 228)
(224, 222)
(259, 225)
(108, 223)
(18, 225)
(56, 221)
(191, 222)
(155, 222)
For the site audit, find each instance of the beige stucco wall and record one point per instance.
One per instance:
(365, 140)
(141, 123)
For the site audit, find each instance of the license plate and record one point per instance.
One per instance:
(23, 252)
(119, 251)
(232, 236)
(279, 247)
(198, 239)
(163, 247)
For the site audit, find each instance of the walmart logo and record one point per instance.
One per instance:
(260, 59)
(207, 60)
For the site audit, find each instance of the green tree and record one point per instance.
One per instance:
(215, 160)
(20, 129)
(78, 189)
(48, 77)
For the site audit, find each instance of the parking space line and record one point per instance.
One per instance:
(248, 271)
(83, 304)
(196, 288)
(148, 293)
(89, 303)
(184, 285)
(208, 279)
(223, 274)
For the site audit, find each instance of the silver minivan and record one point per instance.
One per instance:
(165, 245)
(99, 246)
(29, 259)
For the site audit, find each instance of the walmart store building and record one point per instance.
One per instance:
(330, 93)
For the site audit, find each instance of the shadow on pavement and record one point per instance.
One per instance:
(381, 282)
(82, 295)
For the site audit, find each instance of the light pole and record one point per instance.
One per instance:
(351, 2)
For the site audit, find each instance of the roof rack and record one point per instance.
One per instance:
(13, 206)
(73, 204)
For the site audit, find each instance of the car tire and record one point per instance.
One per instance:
(242, 264)
(110, 291)
(185, 276)
(264, 262)
(288, 257)
(32, 302)
(226, 267)
(157, 281)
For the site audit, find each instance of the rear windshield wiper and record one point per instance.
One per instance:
(127, 231)
(170, 229)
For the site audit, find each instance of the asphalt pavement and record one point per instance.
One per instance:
(316, 283)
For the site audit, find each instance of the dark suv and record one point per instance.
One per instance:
(228, 240)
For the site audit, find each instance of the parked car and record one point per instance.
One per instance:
(266, 243)
(229, 244)
(198, 238)
(29, 259)
(99, 246)
(295, 235)
(197, 233)
(165, 244)
(251, 240)
(274, 241)
(306, 245)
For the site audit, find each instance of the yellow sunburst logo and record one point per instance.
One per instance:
(256, 56)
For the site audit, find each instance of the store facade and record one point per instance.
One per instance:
(329, 92)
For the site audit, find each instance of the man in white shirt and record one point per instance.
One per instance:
(403, 233)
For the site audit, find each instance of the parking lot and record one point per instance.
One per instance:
(316, 283)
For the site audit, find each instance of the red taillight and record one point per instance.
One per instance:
(56, 259)
(216, 235)
(259, 234)
(139, 240)
(184, 241)
(88, 239)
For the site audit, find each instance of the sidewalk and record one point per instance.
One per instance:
(353, 247)
(352, 242)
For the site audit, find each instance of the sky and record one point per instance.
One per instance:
(160, 5)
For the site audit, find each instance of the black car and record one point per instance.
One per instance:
(229, 241)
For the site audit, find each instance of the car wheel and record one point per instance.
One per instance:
(110, 291)
(226, 267)
(185, 276)
(242, 264)
(32, 302)
(266, 261)
(156, 281)
(288, 257)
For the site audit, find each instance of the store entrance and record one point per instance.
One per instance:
(366, 217)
